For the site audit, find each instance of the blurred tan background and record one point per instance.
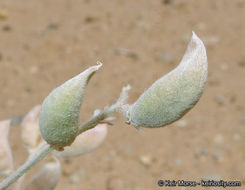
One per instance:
(44, 43)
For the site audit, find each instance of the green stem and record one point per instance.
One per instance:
(46, 148)
(106, 112)
(31, 161)
(96, 119)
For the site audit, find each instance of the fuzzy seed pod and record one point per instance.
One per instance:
(86, 141)
(48, 176)
(171, 96)
(6, 159)
(59, 116)
(30, 132)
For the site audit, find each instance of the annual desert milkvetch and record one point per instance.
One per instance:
(59, 116)
(171, 96)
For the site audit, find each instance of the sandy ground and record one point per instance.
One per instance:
(44, 43)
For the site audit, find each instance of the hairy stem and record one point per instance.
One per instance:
(106, 112)
(34, 158)
(46, 149)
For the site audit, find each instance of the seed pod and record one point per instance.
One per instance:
(30, 132)
(48, 176)
(85, 142)
(6, 159)
(59, 116)
(171, 96)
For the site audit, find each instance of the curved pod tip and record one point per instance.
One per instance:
(171, 96)
(59, 116)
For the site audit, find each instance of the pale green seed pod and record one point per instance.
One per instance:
(59, 116)
(86, 141)
(171, 96)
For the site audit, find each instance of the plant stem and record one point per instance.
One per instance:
(31, 161)
(45, 149)
(107, 111)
